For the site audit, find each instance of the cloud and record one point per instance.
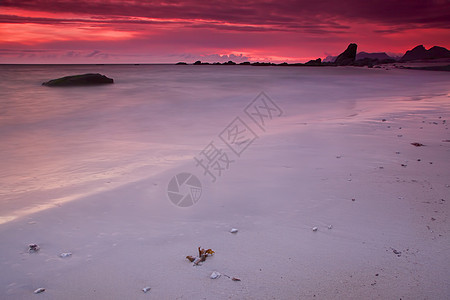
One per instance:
(93, 53)
(161, 31)
(270, 12)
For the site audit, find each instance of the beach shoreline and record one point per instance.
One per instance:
(380, 205)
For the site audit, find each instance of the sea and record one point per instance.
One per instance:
(60, 144)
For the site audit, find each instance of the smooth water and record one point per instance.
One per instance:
(59, 144)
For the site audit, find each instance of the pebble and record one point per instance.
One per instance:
(146, 289)
(33, 248)
(39, 290)
(233, 230)
(315, 228)
(65, 254)
(330, 226)
(215, 275)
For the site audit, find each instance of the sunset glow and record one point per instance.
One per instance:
(171, 31)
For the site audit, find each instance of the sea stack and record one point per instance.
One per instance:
(347, 57)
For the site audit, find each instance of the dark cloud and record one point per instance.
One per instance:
(287, 13)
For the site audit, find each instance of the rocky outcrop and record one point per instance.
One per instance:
(437, 52)
(314, 62)
(347, 57)
(420, 53)
(80, 80)
(376, 55)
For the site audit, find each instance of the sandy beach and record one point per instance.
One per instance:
(342, 162)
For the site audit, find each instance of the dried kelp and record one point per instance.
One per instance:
(202, 255)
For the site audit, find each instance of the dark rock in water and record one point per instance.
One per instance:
(80, 80)
(314, 62)
(419, 53)
(347, 57)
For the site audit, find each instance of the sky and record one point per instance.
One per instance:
(110, 31)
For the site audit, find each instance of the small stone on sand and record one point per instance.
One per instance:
(39, 290)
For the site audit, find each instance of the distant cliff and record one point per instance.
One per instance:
(420, 53)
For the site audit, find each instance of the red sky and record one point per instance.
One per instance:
(110, 31)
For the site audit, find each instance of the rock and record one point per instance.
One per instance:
(65, 254)
(215, 275)
(316, 62)
(377, 56)
(347, 57)
(33, 248)
(417, 144)
(420, 53)
(146, 289)
(367, 61)
(39, 290)
(330, 226)
(233, 230)
(315, 228)
(80, 80)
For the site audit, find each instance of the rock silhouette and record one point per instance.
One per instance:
(419, 53)
(347, 57)
(80, 80)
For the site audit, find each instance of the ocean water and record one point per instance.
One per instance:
(60, 144)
